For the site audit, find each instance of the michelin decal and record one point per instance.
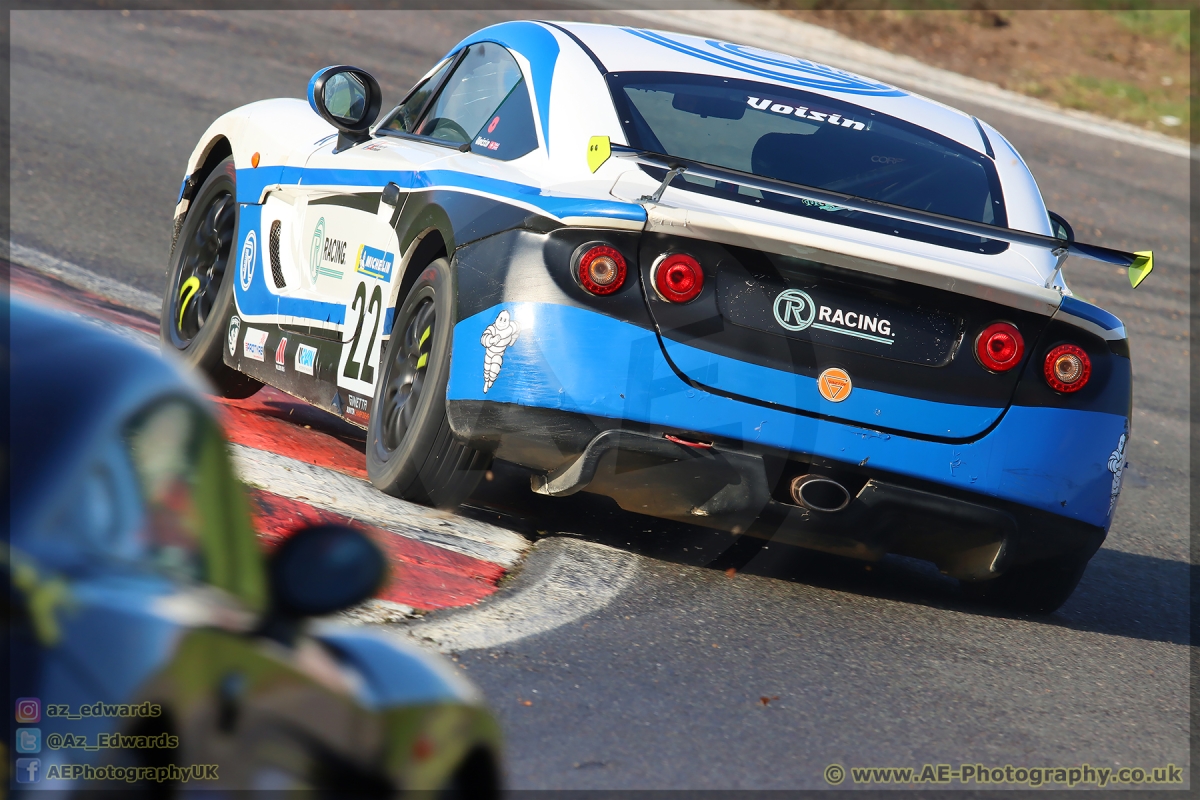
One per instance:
(496, 339)
(1116, 465)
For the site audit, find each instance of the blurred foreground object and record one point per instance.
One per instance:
(143, 606)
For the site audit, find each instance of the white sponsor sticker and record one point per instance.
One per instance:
(1116, 465)
(254, 345)
(796, 311)
(246, 268)
(497, 338)
(306, 359)
(235, 325)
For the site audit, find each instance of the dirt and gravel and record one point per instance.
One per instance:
(1127, 65)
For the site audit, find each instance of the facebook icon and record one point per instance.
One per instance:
(29, 770)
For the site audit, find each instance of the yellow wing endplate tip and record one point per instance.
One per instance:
(1141, 267)
(599, 149)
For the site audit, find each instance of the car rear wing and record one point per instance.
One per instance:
(1138, 264)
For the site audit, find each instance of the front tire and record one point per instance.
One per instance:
(411, 452)
(198, 301)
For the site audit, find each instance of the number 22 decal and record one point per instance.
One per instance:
(372, 307)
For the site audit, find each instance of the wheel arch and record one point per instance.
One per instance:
(426, 236)
(206, 160)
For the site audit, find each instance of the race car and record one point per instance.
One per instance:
(151, 645)
(718, 284)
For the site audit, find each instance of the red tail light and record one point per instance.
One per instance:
(1067, 368)
(678, 277)
(601, 269)
(1000, 347)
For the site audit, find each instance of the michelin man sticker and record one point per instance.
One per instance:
(1116, 465)
(496, 339)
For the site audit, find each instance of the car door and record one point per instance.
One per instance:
(474, 105)
(346, 245)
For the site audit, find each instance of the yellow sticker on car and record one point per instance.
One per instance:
(599, 149)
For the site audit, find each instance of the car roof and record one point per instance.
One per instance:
(70, 383)
(612, 48)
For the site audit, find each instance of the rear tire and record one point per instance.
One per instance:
(411, 452)
(198, 301)
(1037, 588)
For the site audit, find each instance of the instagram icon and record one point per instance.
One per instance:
(29, 709)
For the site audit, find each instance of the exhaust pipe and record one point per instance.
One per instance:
(817, 493)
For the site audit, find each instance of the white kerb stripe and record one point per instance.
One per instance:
(359, 500)
(573, 578)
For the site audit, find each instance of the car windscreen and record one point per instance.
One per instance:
(812, 140)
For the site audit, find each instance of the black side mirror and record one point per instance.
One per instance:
(318, 571)
(348, 98)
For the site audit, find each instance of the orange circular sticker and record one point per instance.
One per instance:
(834, 384)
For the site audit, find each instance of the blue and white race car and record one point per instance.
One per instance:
(717, 284)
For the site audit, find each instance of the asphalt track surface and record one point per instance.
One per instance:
(664, 686)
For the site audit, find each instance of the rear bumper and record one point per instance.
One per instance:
(573, 373)
(744, 491)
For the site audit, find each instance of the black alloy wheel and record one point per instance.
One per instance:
(198, 302)
(406, 376)
(411, 451)
(204, 262)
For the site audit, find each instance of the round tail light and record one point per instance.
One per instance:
(601, 269)
(678, 277)
(1000, 347)
(1067, 368)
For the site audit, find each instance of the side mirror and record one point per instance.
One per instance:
(320, 570)
(348, 98)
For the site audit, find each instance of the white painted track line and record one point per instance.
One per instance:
(772, 31)
(74, 275)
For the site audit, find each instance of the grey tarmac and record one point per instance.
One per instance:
(663, 686)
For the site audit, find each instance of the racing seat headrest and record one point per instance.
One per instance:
(811, 159)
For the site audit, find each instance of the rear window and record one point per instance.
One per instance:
(809, 139)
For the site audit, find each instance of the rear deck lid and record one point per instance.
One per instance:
(766, 327)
